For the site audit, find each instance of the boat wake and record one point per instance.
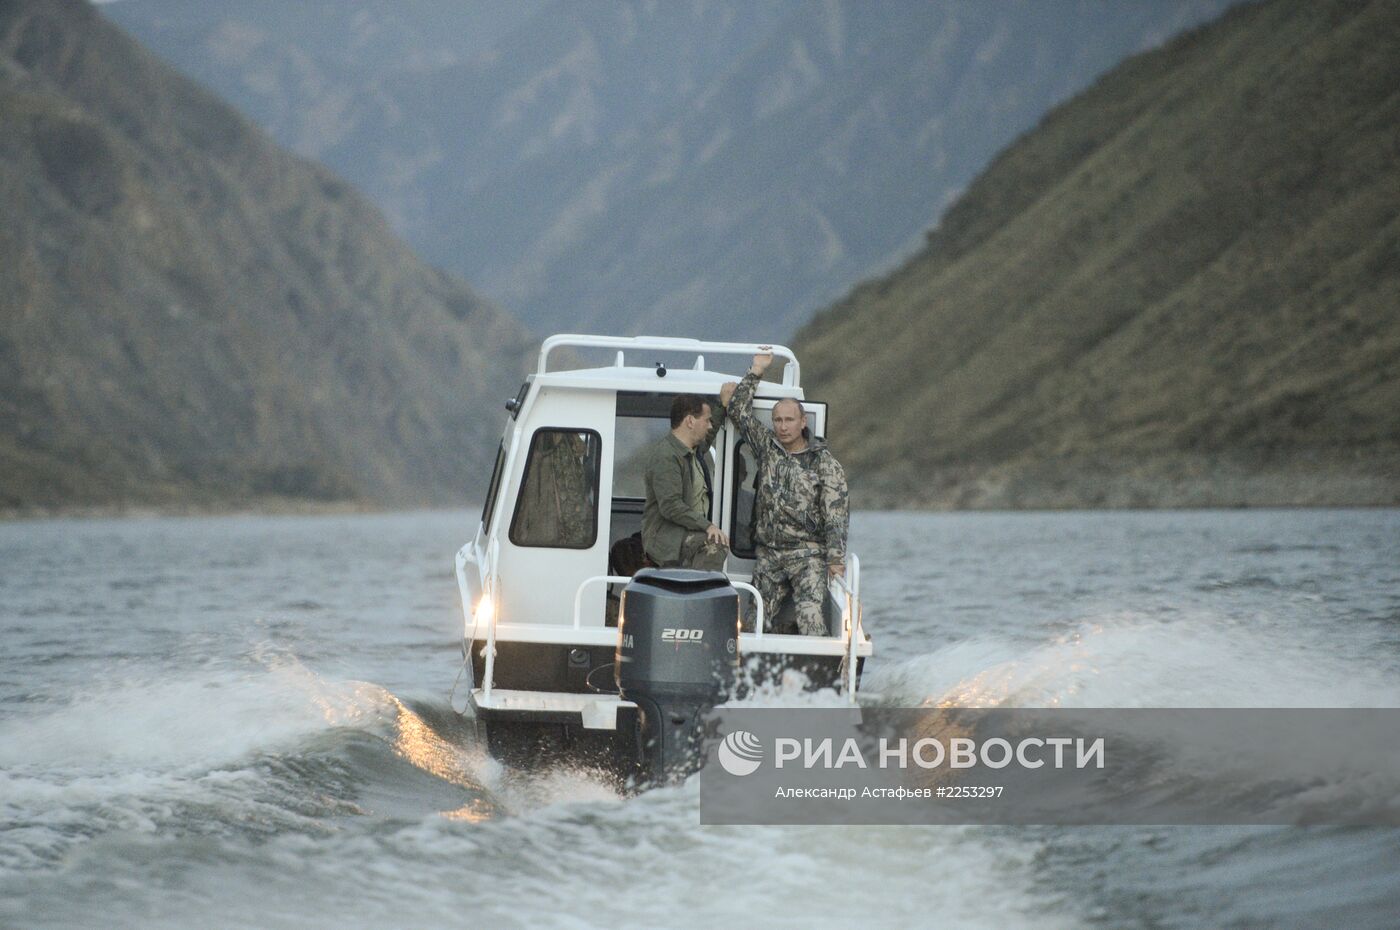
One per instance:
(259, 749)
(1129, 660)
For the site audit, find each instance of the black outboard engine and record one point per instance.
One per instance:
(677, 657)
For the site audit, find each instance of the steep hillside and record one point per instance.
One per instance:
(1181, 288)
(312, 73)
(724, 166)
(190, 315)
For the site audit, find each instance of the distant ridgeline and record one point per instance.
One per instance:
(189, 315)
(716, 169)
(1182, 288)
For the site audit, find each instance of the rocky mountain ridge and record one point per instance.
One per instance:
(1179, 290)
(190, 315)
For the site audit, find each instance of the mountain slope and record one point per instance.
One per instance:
(189, 314)
(1180, 288)
(723, 166)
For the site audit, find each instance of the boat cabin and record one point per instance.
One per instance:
(566, 493)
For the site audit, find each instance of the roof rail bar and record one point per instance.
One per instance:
(791, 371)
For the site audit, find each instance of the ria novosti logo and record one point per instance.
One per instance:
(740, 753)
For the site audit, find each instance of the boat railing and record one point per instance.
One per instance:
(792, 371)
(623, 579)
(486, 604)
(464, 591)
(849, 586)
(757, 606)
(578, 595)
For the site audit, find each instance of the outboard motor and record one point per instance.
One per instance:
(677, 657)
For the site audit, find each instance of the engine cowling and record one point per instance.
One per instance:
(677, 657)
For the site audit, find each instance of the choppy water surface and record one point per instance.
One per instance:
(244, 722)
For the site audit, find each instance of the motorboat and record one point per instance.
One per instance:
(569, 648)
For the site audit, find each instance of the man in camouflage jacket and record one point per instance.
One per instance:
(803, 509)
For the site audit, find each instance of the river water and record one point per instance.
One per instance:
(244, 721)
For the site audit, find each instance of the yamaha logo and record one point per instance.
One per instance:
(740, 753)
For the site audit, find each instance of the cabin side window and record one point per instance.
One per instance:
(558, 503)
(745, 496)
(494, 488)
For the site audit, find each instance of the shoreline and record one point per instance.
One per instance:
(140, 511)
(1163, 483)
(1079, 483)
(315, 509)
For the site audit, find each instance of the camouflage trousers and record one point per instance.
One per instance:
(699, 552)
(799, 574)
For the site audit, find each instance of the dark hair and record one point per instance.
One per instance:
(686, 405)
(801, 410)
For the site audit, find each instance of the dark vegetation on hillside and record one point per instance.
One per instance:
(190, 315)
(1182, 288)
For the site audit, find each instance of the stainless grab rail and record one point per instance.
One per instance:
(757, 604)
(578, 595)
(614, 579)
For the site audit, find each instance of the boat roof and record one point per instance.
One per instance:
(653, 375)
(645, 380)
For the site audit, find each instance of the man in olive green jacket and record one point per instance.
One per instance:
(676, 527)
